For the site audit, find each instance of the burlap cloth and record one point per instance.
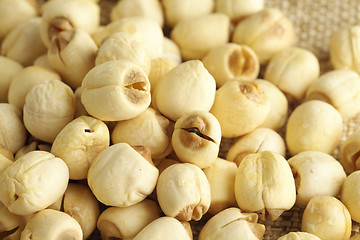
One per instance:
(315, 21)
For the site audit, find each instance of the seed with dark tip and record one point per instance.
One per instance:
(197, 132)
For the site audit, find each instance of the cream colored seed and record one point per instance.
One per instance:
(79, 202)
(120, 176)
(176, 11)
(79, 142)
(13, 133)
(8, 70)
(125, 47)
(188, 229)
(149, 129)
(221, 176)
(126, 222)
(258, 140)
(316, 174)
(293, 70)
(23, 43)
(299, 236)
(43, 61)
(240, 107)
(115, 90)
(163, 228)
(34, 145)
(340, 88)
(58, 225)
(25, 80)
(198, 35)
(159, 68)
(344, 48)
(232, 222)
(350, 194)
(264, 184)
(267, 32)
(313, 126)
(349, 153)
(146, 8)
(6, 153)
(185, 88)
(6, 158)
(33, 182)
(238, 9)
(72, 67)
(63, 15)
(196, 138)
(183, 192)
(232, 62)
(49, 106)
(279, 106)
(4, 163)
(11, 225)
(145, 30)
(171, 51)
(327, 218)
(14, 12)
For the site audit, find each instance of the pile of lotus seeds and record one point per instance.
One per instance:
(116, 128)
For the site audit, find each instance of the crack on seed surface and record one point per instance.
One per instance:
(197, 132)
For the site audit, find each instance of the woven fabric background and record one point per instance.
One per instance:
(314, 21)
